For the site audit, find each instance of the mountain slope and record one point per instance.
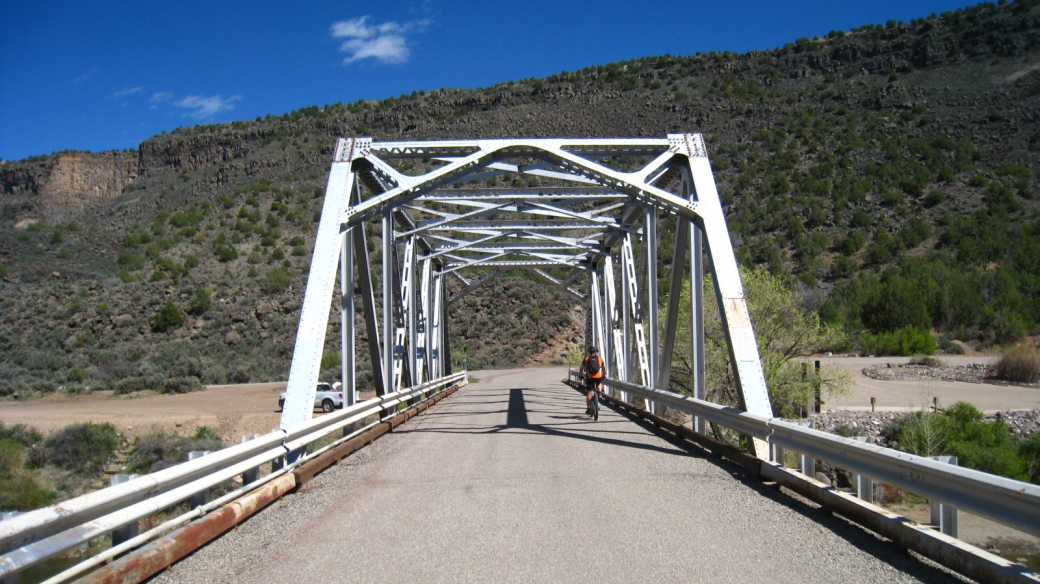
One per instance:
(886, 166)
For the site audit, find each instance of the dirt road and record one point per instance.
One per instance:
(903, 395)
(231, 410)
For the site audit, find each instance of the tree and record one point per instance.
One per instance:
(896, 303)
(201, 302)
(167, 318)
(784, 332)
(277, 279)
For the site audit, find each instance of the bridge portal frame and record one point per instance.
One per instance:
(413, 346)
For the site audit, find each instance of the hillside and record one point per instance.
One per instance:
(887, 167)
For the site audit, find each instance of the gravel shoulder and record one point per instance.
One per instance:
(507, 480)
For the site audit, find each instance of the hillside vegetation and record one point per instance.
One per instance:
(887, 173)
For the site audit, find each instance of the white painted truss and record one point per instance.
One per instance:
(568, 210)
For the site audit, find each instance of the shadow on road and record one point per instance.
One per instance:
(547, 401)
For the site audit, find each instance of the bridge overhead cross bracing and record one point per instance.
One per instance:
(567, 210)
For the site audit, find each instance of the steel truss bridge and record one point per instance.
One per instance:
(597, 200)
(581, 214)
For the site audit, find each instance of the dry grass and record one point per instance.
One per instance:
(1020, 363)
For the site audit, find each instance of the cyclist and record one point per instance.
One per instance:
(592, 371)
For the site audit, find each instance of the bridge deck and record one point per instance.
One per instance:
(509, 481)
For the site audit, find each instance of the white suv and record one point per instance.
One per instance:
(325, 398)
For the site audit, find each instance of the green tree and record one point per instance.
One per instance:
(167, 318)
(277, 279)
(201, 302)
(784, 332)
(895, 304)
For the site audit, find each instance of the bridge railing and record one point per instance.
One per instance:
(32, 537)
(1007, 501)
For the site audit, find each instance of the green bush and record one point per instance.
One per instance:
(201, 302)
(82, 448)
(20, 489)
(844, 267)
(130, 260)
(168, 317)
(277, 279)
(181, 385)
(191, 261)
(962, 431)
(20, 433)
(905, 341)
(3, 270)
(155, 452)
(1020, 363)
(947, 345)
(130, 385)
(225, 253)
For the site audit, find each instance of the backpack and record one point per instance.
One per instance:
(593, 365)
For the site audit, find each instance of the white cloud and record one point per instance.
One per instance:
(126, 91)
(87, 76)
(161, 97)
(384, 42)
(204, 107)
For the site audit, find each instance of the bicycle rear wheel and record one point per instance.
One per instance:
(595, 406)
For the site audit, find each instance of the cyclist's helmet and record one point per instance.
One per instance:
(592, 349)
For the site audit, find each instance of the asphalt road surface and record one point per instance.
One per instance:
(509, 481)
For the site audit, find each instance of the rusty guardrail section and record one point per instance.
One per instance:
(156, 556)
(37, 535)
(1006, 501)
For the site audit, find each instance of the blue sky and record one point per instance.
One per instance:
(105, 75)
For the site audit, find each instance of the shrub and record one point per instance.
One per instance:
(277, 279)
(905, 341)
(130, 385)
(20, 489)
(201, 302)
(1020, 363)
(947, 345)
(844, 267)
(82, 448)
(923, 434)
(191, 261)
(155, 452)
(168, 317)
(20, 433)
(225, 253)
(3, 271)
(130, 260)
(181, 385)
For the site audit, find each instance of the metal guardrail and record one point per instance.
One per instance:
(1007, 501)
(32, 537)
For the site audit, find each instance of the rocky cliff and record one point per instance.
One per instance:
(59, 187)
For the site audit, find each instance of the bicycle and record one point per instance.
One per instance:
(594, 408)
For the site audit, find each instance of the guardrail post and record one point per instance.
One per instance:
(864, 485)
(129, 531)
(865, 488)
(806, 462)
(944, 515)
(252, 474)
(778, 454)
(202, 497)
